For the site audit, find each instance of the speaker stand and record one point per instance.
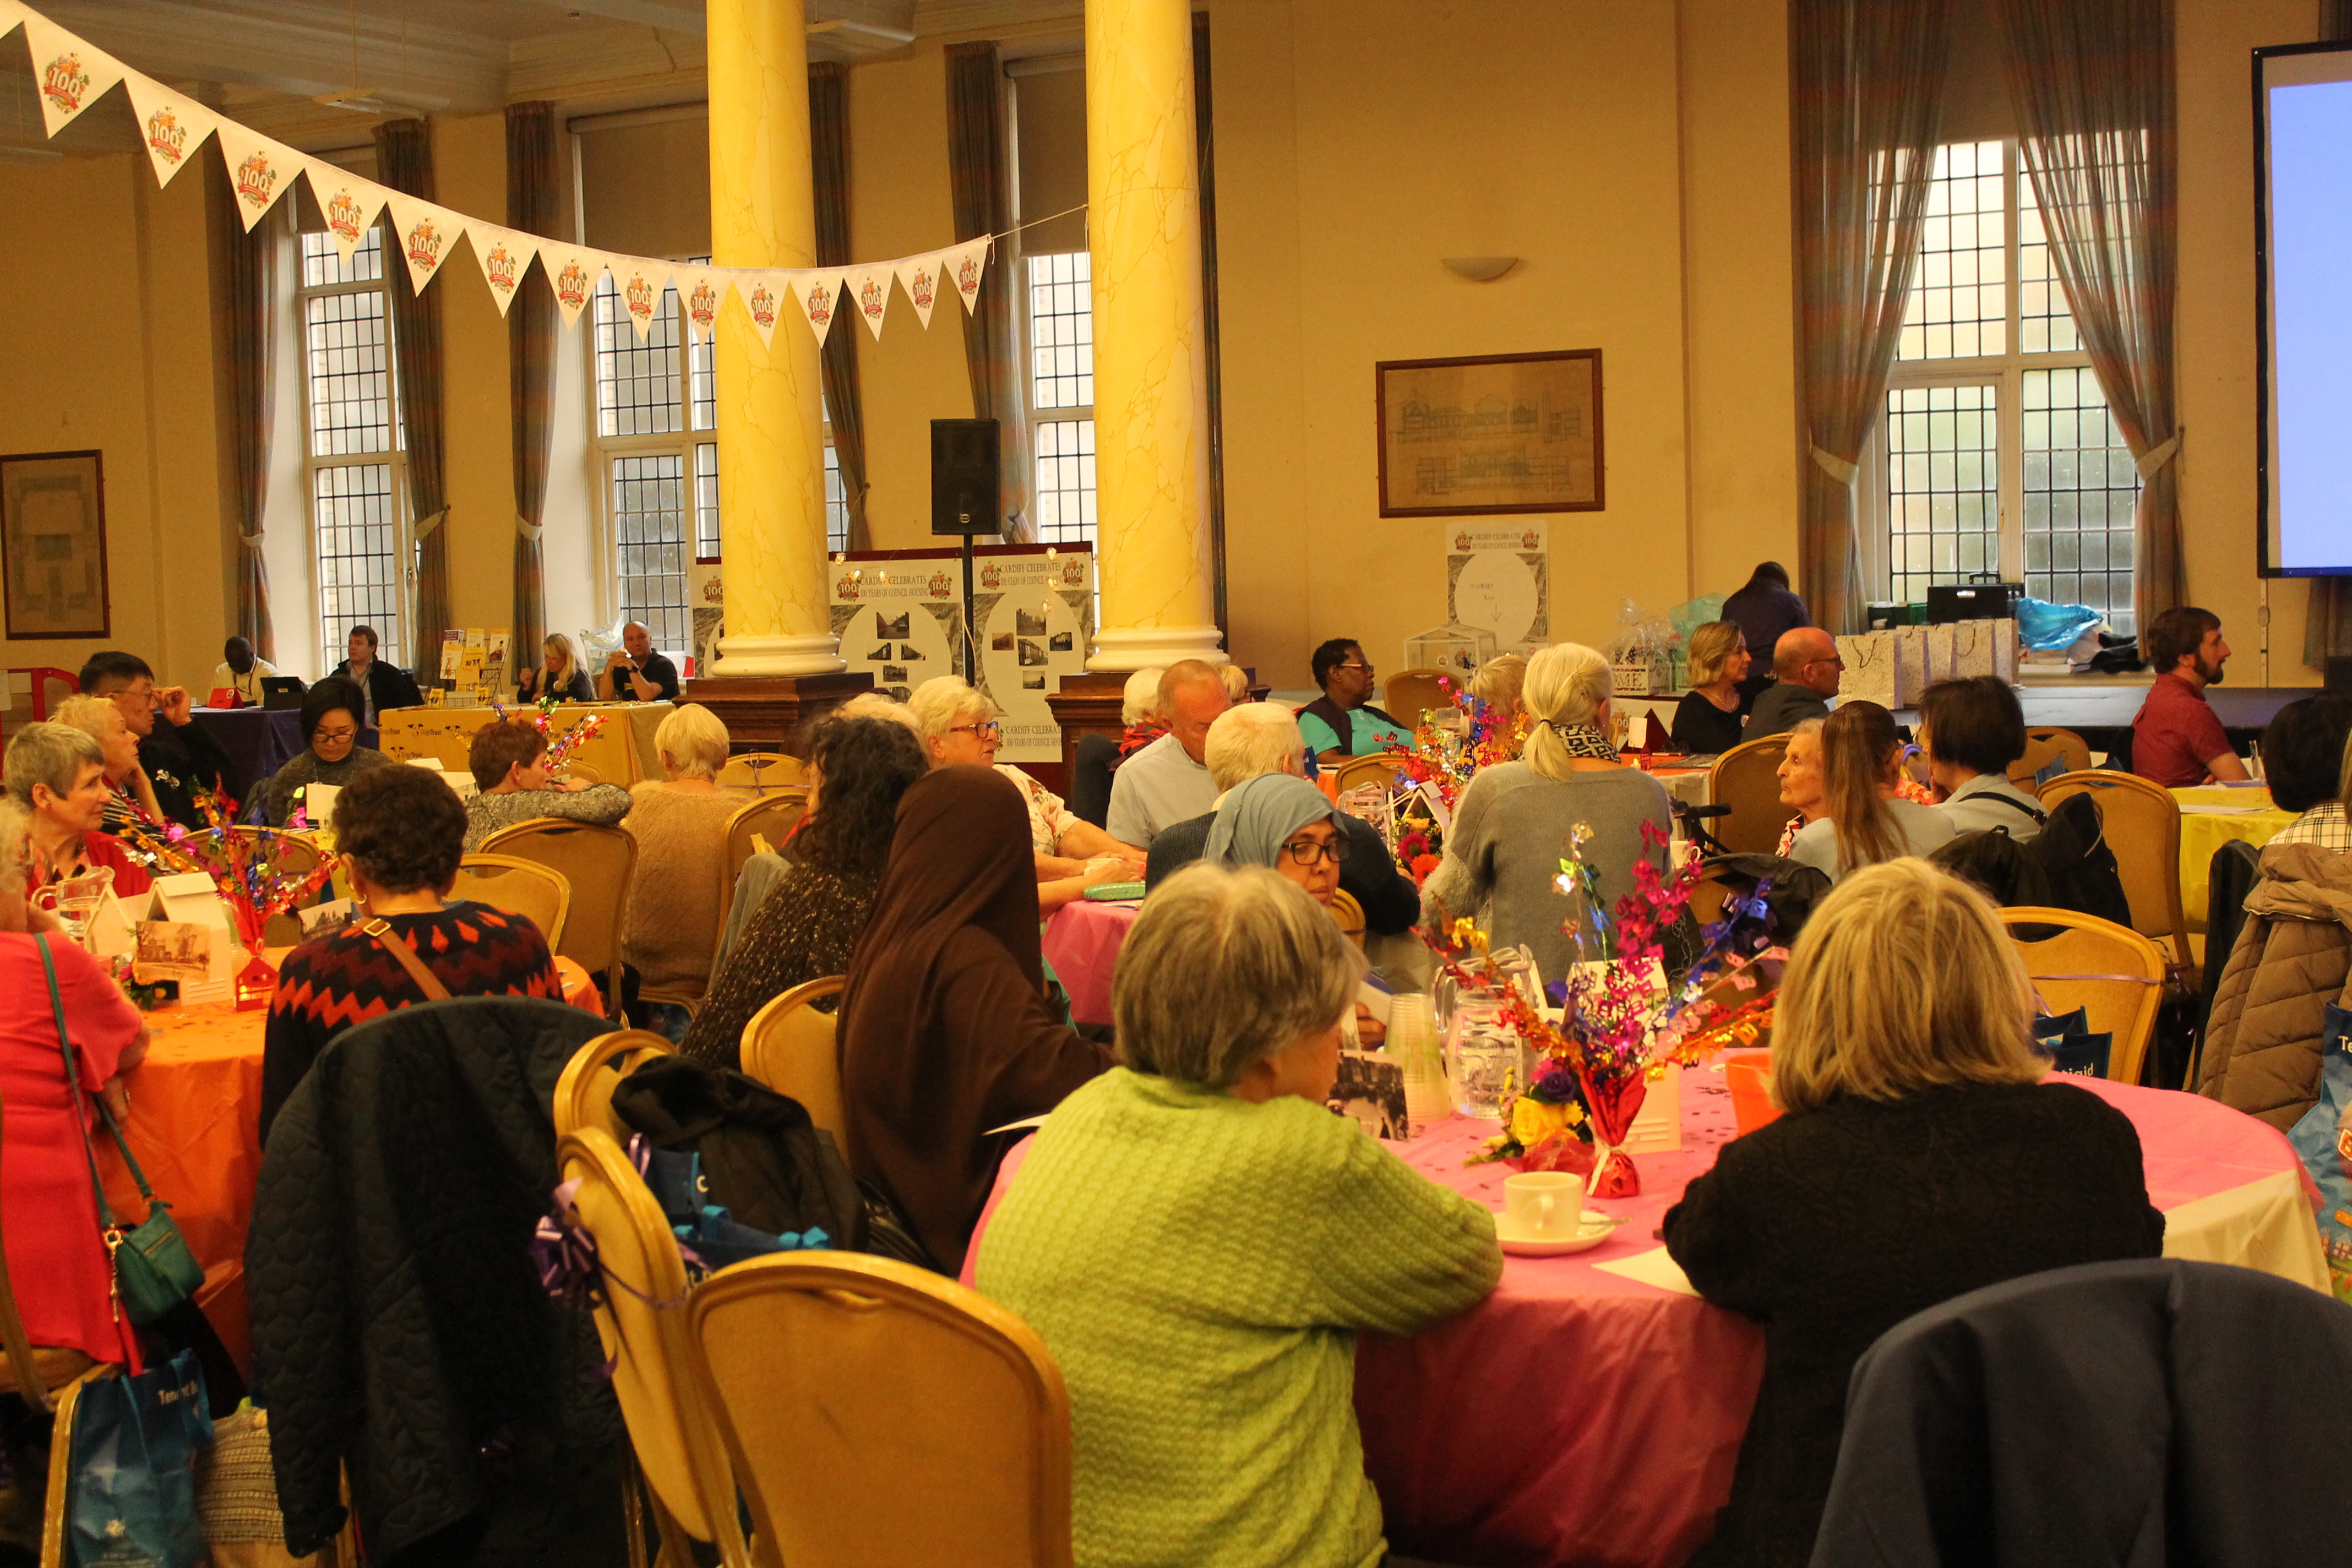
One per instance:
(971, 633)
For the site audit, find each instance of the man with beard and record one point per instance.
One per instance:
(2176, 739)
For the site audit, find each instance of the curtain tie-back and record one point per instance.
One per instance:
(250, 540)
(528, 529)
(2157, 457)
(425, 525)
(1835, 467)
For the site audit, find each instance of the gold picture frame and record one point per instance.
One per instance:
(53, 545)
(1490, 434)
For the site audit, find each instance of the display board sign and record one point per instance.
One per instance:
(1496, 578)
(900, 617)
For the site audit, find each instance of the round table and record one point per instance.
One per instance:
(1082, 940)
(1591, 1410)
(2210, 816)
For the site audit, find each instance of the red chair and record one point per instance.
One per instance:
(35, 685)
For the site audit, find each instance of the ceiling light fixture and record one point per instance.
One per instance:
(1479, 268)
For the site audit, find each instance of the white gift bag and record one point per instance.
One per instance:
(1871, 674)
(1913, 669)
(1942, 661)
(2004, 649)
(1972, 645)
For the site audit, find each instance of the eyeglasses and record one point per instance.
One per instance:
(332, 736)
(988, 732)
(1353, 664)
(1307, 851)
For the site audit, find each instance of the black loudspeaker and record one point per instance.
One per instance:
(966, 478)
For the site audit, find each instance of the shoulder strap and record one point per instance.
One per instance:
(425, 982)
(74, 1094)
(2016, 806)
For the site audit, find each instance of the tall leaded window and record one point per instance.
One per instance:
(1061, 382)
(354, 463)
(1998, 453)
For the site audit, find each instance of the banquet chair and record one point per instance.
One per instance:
(598, 863)
(1745, 779)
(538, 893)
(772, 817)
(788, 1045)
(2113, 972)
(1349, 914)
(583, 1095)
(763, 771)
(2047, 743)
(2141, 822)
(1363, 770)
(894, 1371)
(643, 1332)
(1409, 693)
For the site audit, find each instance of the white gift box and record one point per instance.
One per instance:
(1872, 673)
(191, 898)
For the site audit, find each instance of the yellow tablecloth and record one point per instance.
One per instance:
(623, 753)
(2202, 832)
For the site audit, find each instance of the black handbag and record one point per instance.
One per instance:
(153, 1269)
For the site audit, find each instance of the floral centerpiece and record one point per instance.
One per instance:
(1445, 758)
(1620, 1024)
(248, 870)
(561, 743)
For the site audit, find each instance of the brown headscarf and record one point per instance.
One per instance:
(945, 1031)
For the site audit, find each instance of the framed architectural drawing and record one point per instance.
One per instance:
(1497, 433)
(53, 544)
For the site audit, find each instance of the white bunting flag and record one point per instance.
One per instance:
(172, 126)
(68, 73)
(260, 170)
(919, 277)
(964, 265)
(426, 233)
(571, 272)
(641, 283)
(870, 295)
(348, 203)
(703, 292)
(11, 13)
(819, 294)
(505, 256)
(766, 296)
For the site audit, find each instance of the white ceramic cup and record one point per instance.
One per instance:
(1547, 1202)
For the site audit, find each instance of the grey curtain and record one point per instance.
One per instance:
(250, 287)
(1866, 79)
(404, 153)
(2327, 625)
(829, 153)
(979, 186)
(531, 206)
(2093, 82)
(1204, 123)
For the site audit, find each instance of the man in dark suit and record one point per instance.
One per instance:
(385, 686)
(178, 758)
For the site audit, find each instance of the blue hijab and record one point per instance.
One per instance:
(1260, 815)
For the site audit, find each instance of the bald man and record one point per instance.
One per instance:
(1805, 666)
(633, 672)
(1168, 781)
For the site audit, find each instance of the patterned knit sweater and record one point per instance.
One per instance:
(333, 981)
(1198, 1265)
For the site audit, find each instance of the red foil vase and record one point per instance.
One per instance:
(1614, 1103)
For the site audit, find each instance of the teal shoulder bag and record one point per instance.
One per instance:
(153, 1269)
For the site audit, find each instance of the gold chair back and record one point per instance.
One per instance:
(1410, 692)
(1747, 779)
(893, 1372)
(2115, 975)
(2045, 744)
(641, 1319)
(772, 817)
(790, 1046)
(583, 1095)
(598, 863)
(764, 772)
(1363, 770)
(2141, 822)
(540, 894)
(1349, 914)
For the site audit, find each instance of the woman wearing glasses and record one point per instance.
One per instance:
(1281, 820)
(960, 725)
(332, 754)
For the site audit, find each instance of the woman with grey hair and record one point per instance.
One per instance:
(1517, 820)
(56, 775)
(960, 724)
(1199, 1240)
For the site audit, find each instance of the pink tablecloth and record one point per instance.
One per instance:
(1082, 942)
(1578, 1416)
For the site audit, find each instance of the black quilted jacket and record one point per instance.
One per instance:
(398, 1325)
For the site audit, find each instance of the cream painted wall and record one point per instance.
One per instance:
(469, 172)
(111, 337)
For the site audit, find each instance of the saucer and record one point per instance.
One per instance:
(1596, 1228)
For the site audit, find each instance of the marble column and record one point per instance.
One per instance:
(770, 413)
(1151, 411)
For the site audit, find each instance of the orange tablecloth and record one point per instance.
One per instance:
(195, 1128)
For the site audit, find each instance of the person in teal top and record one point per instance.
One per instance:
(1198, 1239)
(1342, 722)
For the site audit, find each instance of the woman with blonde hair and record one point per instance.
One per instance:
(558, 675)
(1498, 685)
(1515, 823)
(1920, 1158)
(680, 826)
(1866, 821)
(131, 796)
(1707, 720)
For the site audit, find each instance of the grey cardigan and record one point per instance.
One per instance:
(1510, 833)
